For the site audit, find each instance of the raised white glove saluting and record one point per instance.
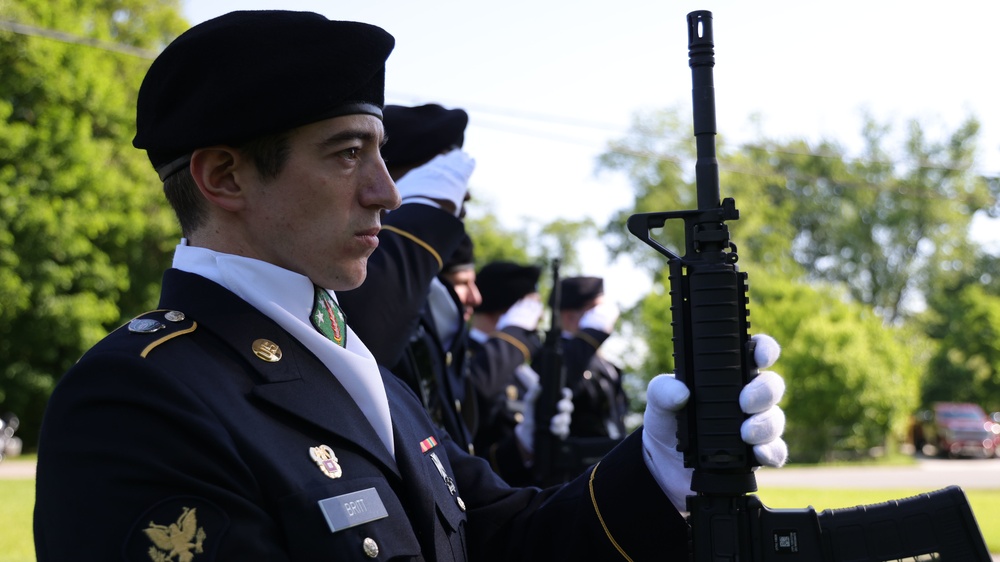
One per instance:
(525, 313)
(444, 178)
(602, 317)
(666, 395)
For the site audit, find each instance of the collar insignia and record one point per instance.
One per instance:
(266, 350)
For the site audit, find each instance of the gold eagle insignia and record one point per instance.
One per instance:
(178, 541)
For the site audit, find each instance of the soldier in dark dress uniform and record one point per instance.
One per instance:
(423, 155)
(243, 419)
(599, 401)
(503, 346)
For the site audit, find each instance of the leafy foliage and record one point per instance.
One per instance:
(84, 230)
(838, 249)
(966, 364)
(852, 381)
(881, 223)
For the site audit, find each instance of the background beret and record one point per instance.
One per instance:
(414, 135)
(463, 258)
(577, 291)
(503, 283)
(250, 73)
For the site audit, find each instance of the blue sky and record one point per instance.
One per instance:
(548, 83)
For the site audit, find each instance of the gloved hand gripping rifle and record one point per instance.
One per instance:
(713, 355)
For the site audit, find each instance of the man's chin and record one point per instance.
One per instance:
(350, 278)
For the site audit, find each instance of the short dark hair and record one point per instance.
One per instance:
(269, 153)
(188, 204)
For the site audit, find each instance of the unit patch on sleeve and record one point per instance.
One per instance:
(177, 530)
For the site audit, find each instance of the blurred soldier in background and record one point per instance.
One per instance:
(423, 154)
(504, 342)
(599, 401)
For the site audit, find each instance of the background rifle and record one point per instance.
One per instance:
(713, 355)
(559, 460)
(552, 377)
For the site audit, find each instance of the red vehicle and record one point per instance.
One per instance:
(957, 429)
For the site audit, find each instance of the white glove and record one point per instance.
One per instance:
(559, 425)
(602, 317)
(524, 314)
(665, 396)
(445, 177)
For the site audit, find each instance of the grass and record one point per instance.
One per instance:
(18, 497)
(985, 503)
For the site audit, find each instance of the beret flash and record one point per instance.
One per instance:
(414, 135)
(503, 283)
(462, 258)
(251, 73)
(577, 291)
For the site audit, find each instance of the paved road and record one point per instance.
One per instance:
(929, 474)
(926, 474)
(15, 468)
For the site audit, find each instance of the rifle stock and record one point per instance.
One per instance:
(713, 356)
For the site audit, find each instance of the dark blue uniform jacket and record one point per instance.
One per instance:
(192, 443)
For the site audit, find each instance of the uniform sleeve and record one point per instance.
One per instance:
(414, 242)
(615, 511)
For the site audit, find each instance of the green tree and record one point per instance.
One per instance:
(852, 380)
(882, 223)
(658, 155)
(84, 230)
(533, 243)
(493, 242)
(966, 364)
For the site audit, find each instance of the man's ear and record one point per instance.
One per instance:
(214, 170)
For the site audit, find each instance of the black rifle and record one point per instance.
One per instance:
(559, 460)
(552, 377)
(713, 355)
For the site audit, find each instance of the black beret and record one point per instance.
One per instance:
(463, 257)
(414, 135)
(503, 283)
(577, 291)
(252, 73)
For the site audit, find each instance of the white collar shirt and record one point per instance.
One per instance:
(286, 297)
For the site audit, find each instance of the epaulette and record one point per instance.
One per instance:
(514, 342)
(416, 241)
(159, 326)
(589, 339)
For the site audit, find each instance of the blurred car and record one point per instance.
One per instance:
(957, 429)
(10, 446)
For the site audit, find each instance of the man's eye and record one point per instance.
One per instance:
(351, 153)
